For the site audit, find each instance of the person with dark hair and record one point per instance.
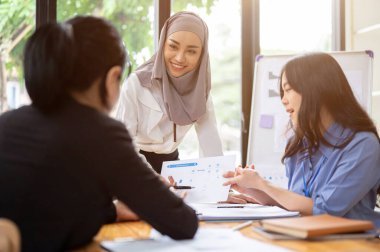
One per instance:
(332, 160)
(170, 93)
(63, 159)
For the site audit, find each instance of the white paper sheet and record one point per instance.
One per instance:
(206, 239)
(239, 211)
(204, 174)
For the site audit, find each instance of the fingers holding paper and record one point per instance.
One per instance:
(172, 181)
(248, 181)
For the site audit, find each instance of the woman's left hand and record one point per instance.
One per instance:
(169, 181)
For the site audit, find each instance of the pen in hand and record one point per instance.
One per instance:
(183, 187)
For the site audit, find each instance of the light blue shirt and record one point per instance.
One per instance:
(348, 178)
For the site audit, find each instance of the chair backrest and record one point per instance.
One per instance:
(9, 236)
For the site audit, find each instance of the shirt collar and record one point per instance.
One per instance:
(335, 135)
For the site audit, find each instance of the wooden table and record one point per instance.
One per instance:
(140, 229)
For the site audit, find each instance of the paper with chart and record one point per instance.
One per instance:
(204, 174)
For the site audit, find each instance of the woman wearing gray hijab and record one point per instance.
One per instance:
(170, 93)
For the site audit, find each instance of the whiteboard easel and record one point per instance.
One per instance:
(267, 139)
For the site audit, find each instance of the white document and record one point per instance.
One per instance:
(239, 212)
(206, 239)
(204, 174)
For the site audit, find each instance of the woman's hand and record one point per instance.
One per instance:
(243, 179)
(232, 174)
(124, 213)
(239, 198)
(170, 182)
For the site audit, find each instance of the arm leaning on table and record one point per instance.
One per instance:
(132, 182)
(249, 182)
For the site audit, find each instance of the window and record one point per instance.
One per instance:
(16, 25)
(133, 19)
(288, 27)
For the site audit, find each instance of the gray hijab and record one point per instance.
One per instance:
(184, 97)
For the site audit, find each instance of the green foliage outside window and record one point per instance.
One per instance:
(16, 24)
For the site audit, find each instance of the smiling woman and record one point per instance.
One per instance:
(170, 93)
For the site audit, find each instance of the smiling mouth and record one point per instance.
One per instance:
(177, 67)
(290, 111)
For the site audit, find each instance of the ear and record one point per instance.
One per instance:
(113, 85)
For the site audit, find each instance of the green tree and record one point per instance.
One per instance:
(17, 18)
(184, 4)
(132, 18)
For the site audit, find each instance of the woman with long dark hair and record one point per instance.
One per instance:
(63, 159)
(332, 160)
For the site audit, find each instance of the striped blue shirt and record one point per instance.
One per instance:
(348, 178)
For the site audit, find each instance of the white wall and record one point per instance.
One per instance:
(363, 33)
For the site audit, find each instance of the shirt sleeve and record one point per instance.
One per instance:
(129, 179)
(208, 135)
(355, 175)
(126, 110)
(127, 106)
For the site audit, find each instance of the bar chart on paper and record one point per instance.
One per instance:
(205, 175)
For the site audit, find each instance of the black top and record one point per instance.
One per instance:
(59, 172)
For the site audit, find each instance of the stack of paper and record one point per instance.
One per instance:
(215, 211)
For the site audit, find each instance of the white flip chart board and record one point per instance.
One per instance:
(267, 139)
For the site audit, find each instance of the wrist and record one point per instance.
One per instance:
(263, 184)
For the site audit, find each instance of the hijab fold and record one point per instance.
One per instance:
(184, 98)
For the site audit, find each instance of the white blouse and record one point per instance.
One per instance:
(151, 128)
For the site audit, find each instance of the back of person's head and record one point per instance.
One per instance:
(321, 82)
(60, 58)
